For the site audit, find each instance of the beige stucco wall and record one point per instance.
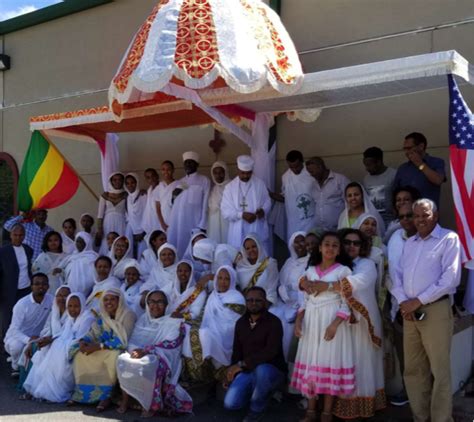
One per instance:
(81, 53)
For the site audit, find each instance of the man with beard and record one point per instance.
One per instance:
(258, 366)
(29, 317)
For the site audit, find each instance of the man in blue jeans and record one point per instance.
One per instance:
(258, 366)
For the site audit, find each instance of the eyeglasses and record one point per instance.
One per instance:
(156, 302)
(403, 216)
(348, 242)
(252, 300)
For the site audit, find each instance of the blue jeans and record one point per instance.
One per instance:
(256, 386)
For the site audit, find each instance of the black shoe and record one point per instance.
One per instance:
(401, 399)
(253, 417)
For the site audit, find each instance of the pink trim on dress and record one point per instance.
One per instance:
(322, 273)
(324, 370)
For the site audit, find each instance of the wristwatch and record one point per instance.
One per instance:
(421, 166)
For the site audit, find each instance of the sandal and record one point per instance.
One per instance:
(310, 416)
(70, 403)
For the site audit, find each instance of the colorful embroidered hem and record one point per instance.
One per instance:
(360, 407)
(86, 393)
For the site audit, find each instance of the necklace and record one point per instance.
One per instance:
(253, 323)
(244, 203)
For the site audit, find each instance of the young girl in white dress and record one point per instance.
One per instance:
(324, 362)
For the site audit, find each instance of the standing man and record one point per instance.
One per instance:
(218, 226)
(15, 274)
(394, 253)
(150, 220)
(189, 208)
(329, 194)
(258, 366)
(422, 171)
(379, 182)
(297, 192)
(29, 316)
(35, 230)
(428, 274)
(246, 204)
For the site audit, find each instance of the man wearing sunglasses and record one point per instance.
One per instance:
(427, 275)
(394, 251)
(258, 366)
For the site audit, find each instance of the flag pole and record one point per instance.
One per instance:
(69, 164)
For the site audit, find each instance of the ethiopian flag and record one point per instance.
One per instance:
(46, 180)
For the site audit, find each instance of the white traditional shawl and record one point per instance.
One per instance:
(161, 278)
(135, 206)
(118, 266)
(268, 280)
(217, 328)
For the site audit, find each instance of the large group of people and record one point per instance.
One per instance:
(175, 285)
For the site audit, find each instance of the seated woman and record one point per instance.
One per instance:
(35, 351)
(78, 268)
(121, 255)
(224, 307)
(68, 234)
(149, 258)
(357, 203)
(256, 268)
(163, 275)
(199, 266)
(112, 208)
(51, 377)
(358, 290)
(290, 297)
(150, 370)
(95, 355)
(102, 282)
(132, 285)
(49, 261)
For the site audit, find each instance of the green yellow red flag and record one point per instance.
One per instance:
(46, 180)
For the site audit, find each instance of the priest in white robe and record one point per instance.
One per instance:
(150, 220)
(246, 204)
(189, 209)
(218, 226)
(29, 316)
(298, 192)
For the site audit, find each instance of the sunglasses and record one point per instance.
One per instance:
(348, 242)
(403, 216)
(252, 300)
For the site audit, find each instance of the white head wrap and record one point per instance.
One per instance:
(245, 163)
(191, 155)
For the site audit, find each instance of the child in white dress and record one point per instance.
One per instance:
(324, 362)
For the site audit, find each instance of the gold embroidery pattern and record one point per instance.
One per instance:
(70, 114)
(196, 43)
(358, 307)
(136, 51)
(189, 301)
(360, 407)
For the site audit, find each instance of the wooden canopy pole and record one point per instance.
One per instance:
(69, 164)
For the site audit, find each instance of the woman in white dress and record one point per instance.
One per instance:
(149, 371)
(324, 364)
(290, 296)
(112, 209)
(359, 292)
(49, 261)
(224, 307)
(255, 268)
(357, 203)
(68, 234)
(218, 227)
(132, 285)
(136, 203)
(51, 377)
(163, 275)
(198, 266)
(78, 268)
(149, 258)
(121, 255)
(103, 281)
(35, 351)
